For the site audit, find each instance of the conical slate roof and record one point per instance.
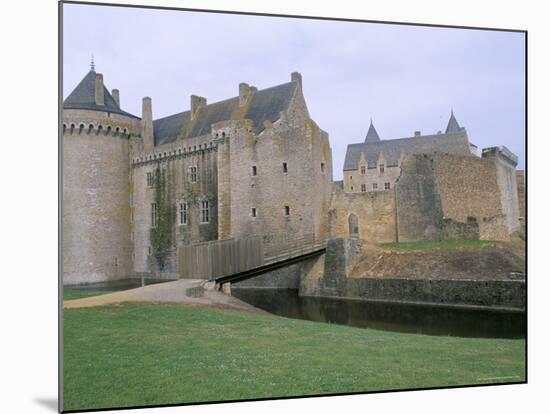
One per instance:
(372, 135)
(452, 126)
(83, 97)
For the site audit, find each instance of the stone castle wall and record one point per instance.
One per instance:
(520, 181)
(468, 187)
(375, 211)
(451, 197)
(419, 210)
(96, 211)
(176, 158)
(258, 180)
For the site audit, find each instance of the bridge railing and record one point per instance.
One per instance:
(292, 247)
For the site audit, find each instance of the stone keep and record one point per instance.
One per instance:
(255, 164)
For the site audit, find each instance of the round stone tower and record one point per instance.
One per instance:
(96, 202)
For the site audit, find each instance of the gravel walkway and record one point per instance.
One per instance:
(183, 291)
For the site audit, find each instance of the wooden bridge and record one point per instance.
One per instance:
(234, 260)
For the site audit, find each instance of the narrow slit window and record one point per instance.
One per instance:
(287, 210)
(154, 217)
(322, 167)
(285, 167)
(254, 170)
(183, 213)
(253, 212)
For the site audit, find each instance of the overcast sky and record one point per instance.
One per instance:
(406, 78)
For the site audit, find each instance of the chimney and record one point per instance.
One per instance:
(296, 77)
(116, 96)
(417, 133)
(244, 93)
(147, 124)
(99, 94)
(197, 102)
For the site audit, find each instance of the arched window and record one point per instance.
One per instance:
(353, 222)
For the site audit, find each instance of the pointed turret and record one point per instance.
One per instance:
(452, 126)
(372, 135)
(91, 94)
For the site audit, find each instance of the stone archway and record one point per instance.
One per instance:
(353, 222)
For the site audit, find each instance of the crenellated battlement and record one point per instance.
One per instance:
(91, 128)
(173, 154)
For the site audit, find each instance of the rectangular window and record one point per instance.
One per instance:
(183, 213)
(363, 170)
(285, 167)
(150, 179)
(375, 186)
(381, 168)
(253, 212)
(351, 188)
(154, 218)
(386, 186)
(254, 170)
(322, 167)
(363, 188)
(192, 173)
(287, 210)
(205, 212)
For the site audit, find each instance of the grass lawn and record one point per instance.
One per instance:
(441, 244)
(151, 354)
(69, 294)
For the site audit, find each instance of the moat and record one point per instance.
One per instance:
(405, 318)
(418, 319)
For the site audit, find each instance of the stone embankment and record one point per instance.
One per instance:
(490, 277)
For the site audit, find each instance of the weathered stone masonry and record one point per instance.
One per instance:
(258, 165)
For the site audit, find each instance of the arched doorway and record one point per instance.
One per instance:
(353, 222)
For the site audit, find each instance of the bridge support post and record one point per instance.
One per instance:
(224, 287)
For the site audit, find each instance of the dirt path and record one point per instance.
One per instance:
(184, 291)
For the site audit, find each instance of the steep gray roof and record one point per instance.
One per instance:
(265, 104)
(372, 135)
(83, 97)
(452, 126)
(452, 143)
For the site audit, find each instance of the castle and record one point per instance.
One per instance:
(257, 165)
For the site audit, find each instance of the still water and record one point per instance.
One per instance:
(421, 319)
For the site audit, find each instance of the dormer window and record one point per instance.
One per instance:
(363, 170)
(381, 168)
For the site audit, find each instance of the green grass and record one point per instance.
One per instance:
(69, 294)
(441, 244)
(150, 354)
